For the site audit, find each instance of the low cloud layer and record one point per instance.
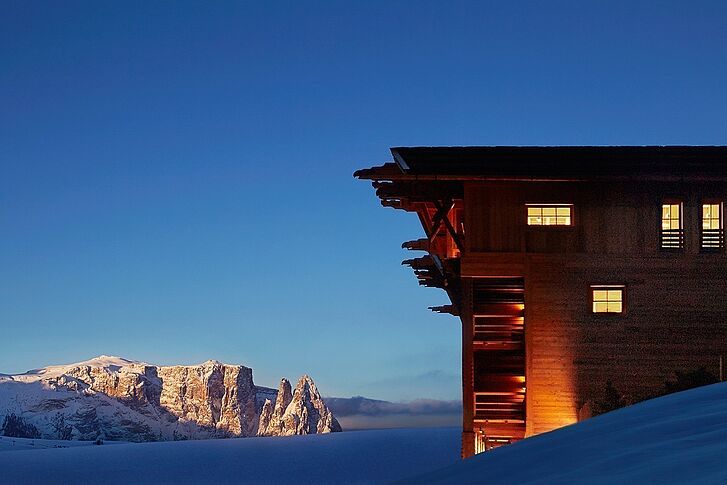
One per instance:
(372, 407)
(362, 413)
(440, 385)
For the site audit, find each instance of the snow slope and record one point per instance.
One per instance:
(357, 457)
(109, 361)
(680, 438)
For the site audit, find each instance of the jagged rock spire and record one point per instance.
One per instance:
(303, 412)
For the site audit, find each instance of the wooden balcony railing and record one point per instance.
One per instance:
(712, 240)
(503, 405)
(672, 239)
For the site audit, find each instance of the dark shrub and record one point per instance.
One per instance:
(689, 380)
(610, 401)
(16, 427)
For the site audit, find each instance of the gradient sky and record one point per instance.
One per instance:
(176, 177)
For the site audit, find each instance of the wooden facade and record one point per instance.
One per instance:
(535, 353)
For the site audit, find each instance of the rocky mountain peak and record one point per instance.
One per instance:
(285, 395)
(307, 388)
(300, 412)
(130, 400)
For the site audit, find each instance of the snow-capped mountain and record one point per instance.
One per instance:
(120, 399)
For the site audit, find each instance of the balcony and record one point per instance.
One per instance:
(672, 239)
(712, 240)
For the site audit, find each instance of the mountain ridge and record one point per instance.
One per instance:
(122, 399)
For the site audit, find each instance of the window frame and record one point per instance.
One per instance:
(606, 287)
(555, 205)
(682, 232)
(670, 201)
(720, 204)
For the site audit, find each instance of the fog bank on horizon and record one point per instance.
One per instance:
(358, 412)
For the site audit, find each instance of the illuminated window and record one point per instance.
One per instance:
(672, 235)
(711, 216)
(712, 234)
(671, 216)
(608, 299)
(550, 214)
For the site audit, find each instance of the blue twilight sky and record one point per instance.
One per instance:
(175, 177)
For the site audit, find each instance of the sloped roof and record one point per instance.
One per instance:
(563, 162)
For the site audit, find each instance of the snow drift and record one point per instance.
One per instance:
(680, 438)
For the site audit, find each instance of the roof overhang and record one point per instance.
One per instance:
(559, 163)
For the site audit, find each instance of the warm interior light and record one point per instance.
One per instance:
(671, 217)
(550, 214)
(711, 216)
(607, 299)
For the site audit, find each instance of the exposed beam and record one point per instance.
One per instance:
(448, 224)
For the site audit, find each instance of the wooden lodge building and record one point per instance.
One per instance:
(568, 267)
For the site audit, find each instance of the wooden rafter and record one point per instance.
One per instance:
(448, 224)
(439, 216)
(432, 226)
(433, 201)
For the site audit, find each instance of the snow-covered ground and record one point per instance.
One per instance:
(679, 439)
(8, 443)
(373, 456)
